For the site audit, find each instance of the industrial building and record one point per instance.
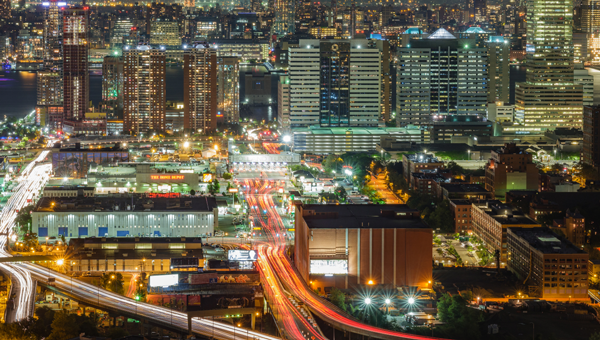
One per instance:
(351, 245)
(150, 215)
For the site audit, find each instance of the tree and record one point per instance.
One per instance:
(43, 325)
(193, 192)
(30, 240)
(116, 333)
(332, 163)
(461, 322)
(216, 186)
(227, 175)
(15, 331)
(23, 218)
(586, 172)
(456, 169)
(441, 217)
(341, 193)
(64, 326)
(338, 298)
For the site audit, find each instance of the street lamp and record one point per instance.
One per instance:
(367, 301)
(411, 301)
(468, 155)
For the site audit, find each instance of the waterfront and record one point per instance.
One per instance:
(18, 90)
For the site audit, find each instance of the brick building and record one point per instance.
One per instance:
(510, 168)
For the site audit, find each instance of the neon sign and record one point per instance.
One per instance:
(167, 177)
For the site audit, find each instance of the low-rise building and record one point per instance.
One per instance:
(68, 191)
(464, 191)
(461, 210)
(572, 226)
(510, 168)
(351, 245)
(420, 163)
(551, 266)
(151, 215)
(491, 219)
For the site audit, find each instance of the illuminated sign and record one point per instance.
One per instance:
(164, 280)
(206, 178)
(328, 266)
(186, 171)
(242, 255)
(233, 189)
(166, 195)
(167, 177)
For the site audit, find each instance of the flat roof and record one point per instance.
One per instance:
(463, 187)
(356, 216)
(141, 202)
(545, 241)
(504, 213)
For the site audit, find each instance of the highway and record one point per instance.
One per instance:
(260, 198)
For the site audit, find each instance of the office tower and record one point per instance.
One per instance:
(590, 16)
(228, 89)
(335, 83)
(284, 17)
(75, 63)
(144, 90)
(548, 99)
(480, 10)
(590, 150)
(283, 102)
(112, 86)
(165, 33)
(440, 75)
(120, 30)
(5, 10)
(386, 79)
(499, 70)
(200, 84)
(53, 34)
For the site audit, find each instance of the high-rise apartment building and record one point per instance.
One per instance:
(284, 22)
(335, 83)
(144, 90)
(591, 136)
(49, 90)
(283, 103)
(480, 11)
(549, 99)
(112, 86)
(165, 33)
(53, 33)
(75, 62)
(440, 75)
(228, 89)
(499, 69)
(200, 88)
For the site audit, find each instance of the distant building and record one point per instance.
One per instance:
(228, 89)
(346, 246)
(573, 227)
(112, 86)
(246, 49)
(75, 162)
(510, 168)
(134, 216)
(283, 103)
(144, 90)
(461, 211)
(200, 88)
(75, 62)
(552, 267)
(464, 191)
(420, 163)
(591, 136)
(165, 33)
(490, 220)
(499, 70)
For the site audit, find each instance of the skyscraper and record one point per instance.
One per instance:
(200, 84)
(112, 86)
(228, 89)
(284, 22)
(144, 90)
(440, 75)
(53, 33)
(4, 10)
(75, 63)
(499, 70)
(335, 83)
(165, 33)
(548, 98)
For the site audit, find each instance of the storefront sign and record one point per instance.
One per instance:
(167, 177)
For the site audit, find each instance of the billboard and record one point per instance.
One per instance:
(328, 266)
(164, 280)
(242, 255)
(167, 177)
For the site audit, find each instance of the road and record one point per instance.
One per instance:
(266, 211)
(379, 184)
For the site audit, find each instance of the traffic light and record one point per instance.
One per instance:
(137, 298)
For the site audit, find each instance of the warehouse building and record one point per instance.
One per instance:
(152, 215)
(350, 245)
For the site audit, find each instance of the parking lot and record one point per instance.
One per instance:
(465, 250)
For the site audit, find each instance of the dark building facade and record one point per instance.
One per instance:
(591, 136)
(75, 62)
